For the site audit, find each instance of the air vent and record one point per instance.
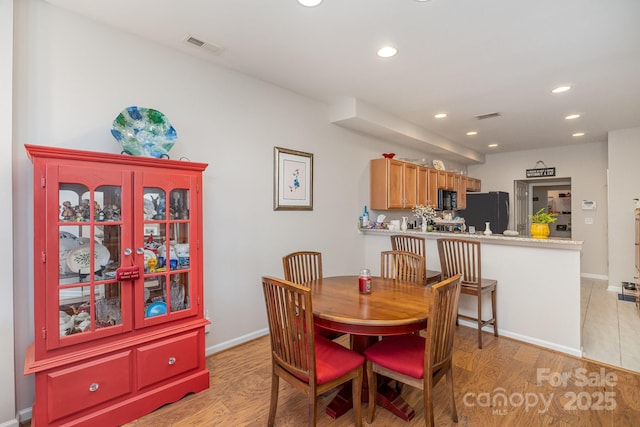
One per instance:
(194, 41)
(202, 44)
(487, 116)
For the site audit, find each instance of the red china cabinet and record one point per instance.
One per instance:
(118, 286)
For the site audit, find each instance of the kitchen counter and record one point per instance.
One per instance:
(497, 239)
(538, 295)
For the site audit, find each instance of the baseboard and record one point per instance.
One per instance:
(236, 341)
(10, 423)
(527, 339)
(594, 276)
(613, 288)
(23, 415)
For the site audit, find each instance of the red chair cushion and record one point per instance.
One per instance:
(333, 360)
(400, 353)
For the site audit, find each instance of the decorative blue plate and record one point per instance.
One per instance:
(144, 132)
(156, 309)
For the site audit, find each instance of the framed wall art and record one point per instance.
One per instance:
(293, 180)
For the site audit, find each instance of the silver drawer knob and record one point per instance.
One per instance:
(93, 387)
(172, 360)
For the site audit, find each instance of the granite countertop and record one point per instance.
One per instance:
(498, 239)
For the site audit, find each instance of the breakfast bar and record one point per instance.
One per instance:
(538, 296)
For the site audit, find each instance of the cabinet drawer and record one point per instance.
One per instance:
(88, 384)
(167, 358)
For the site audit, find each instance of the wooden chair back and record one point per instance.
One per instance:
(461, 256)
(442, 322)
(415, 244)
(303, 266)
(290, 318)
(403, 266)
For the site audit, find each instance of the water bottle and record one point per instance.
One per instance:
(365, 217)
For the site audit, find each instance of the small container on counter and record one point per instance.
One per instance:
(364, 281)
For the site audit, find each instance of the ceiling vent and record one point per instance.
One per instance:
(202, 44)
(487, 116)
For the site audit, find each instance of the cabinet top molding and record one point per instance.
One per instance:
(72, 154)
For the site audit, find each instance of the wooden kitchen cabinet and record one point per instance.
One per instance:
(393, 184)
(427, 186)
(461, 190)
(473, 184)
(446, 180)
(118, 286)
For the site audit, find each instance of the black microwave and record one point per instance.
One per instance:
(447, 200)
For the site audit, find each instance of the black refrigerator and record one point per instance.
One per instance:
(491, 207)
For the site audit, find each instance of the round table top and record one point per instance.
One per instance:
(391, 308)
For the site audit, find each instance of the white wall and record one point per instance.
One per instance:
(74, 76)
(624, 186)
(586, 164)
(7, 402)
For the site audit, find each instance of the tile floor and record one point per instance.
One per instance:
(610, 327)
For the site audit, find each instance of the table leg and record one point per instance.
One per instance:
(386, 397)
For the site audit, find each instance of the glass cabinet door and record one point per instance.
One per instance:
(90, 242)
(166, 236)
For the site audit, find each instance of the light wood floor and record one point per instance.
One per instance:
(240, 387)
(610, 327)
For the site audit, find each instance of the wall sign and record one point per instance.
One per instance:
(537, 172)
(541, 172)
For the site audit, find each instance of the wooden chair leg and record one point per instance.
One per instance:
(494, 310)
(454, 412)
(275, 384)
(313, 405)
(356, 397)
(480, 320)
(373, 385)
(427, 393)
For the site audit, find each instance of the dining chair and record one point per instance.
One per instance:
(463, 256)
(309, 362)
(417, 245)
(420, 360)
(402, 265)
(302, 267)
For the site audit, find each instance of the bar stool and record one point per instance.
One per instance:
(462, 256)
(417, 245)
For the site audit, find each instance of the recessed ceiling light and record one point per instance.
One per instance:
(387, 52)
(561, 89)
(572, 116)
(440, 115)
(492, 145)
(310, 3)
(578, 134)
(472, 132)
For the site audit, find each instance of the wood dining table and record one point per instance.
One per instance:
(392, 308)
